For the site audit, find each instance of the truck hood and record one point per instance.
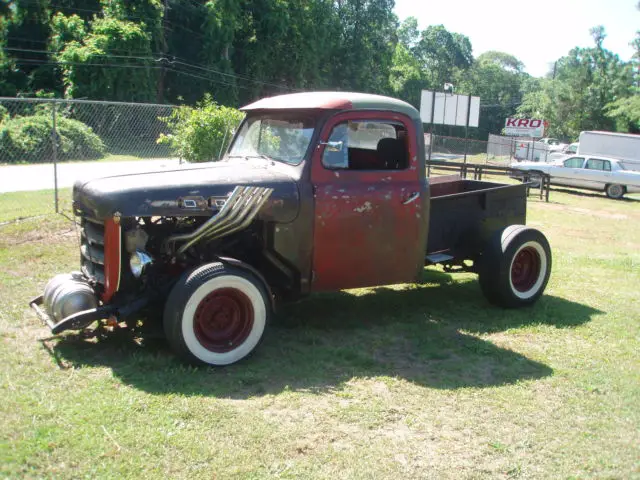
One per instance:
(161, 193)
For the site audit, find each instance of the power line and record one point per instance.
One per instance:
(84, 64)
(111, 65)
(208, 79)
(166, 60)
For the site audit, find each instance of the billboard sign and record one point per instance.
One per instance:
(449, 109)
(524, 127)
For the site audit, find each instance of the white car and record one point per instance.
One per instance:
(593, 173)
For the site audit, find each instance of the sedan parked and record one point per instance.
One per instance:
(593, 173)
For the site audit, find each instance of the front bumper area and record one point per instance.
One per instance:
(70, 302)
(76, 321)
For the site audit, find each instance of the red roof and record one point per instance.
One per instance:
(323, 100)
(334, 101)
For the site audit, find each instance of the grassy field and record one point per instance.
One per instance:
(16, 206)
(407, 381)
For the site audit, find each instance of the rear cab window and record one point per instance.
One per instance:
(367, 145)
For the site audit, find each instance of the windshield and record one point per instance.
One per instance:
(284, 138)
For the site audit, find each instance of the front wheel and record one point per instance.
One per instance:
(515, 267)
(615, 191)
(216, 314)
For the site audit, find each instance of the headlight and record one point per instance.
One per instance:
(138, 261)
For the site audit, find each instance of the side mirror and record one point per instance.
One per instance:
(333, 146)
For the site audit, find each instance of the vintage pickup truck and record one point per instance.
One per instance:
(317, 192)
(593, 173)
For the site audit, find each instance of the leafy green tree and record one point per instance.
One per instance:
(587, 80)
(406, 77)
(366, 45)
(442, 54)
(497, 78)
(28, 21)
(95, 68)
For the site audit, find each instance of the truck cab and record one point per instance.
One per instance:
(317, 192)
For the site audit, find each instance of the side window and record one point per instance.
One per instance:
(574, 162)
(597, 164)
(367, 145)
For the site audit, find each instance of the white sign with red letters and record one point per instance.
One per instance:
(524, 127)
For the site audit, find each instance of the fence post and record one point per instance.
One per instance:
(533, 150)
(54, 144)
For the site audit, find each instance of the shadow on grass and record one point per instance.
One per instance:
(424, 334)
(592, 194)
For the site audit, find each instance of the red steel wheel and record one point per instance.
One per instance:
(216, 314)
(515, 266)
(223, 320)
(525, 269)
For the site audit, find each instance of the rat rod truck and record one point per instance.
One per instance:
(317, 192)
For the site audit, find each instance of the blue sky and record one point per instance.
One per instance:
(538, 32)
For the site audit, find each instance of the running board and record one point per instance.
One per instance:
(439, 258)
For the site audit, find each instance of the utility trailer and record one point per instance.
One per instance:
(317, 192)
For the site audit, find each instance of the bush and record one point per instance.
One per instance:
(28, 140)
(201, 134)
(4, 114)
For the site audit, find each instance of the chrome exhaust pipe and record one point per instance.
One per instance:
(238, 212)
(235, 196)
(248, 217)
(235, 210)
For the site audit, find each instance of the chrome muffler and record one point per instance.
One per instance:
(68, 302)
(67, 294)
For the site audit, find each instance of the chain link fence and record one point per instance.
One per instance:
(45, 144)
(84, 130)
(456, 149)
(498, 150)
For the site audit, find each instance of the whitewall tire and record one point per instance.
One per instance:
(216, 314)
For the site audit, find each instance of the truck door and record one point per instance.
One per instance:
(370, 202)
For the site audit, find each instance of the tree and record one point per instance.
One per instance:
(497, 78)
(95, 68)
(366, 45)
(586, 81)
(442, 53)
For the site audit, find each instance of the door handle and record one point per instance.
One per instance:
(412, 198)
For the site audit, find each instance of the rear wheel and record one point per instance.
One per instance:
(615, 191)
(535, 178)
(216, 315)
(515, 267)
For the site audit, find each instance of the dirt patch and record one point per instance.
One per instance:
(44, 235)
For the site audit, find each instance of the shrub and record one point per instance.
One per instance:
(28, 140)
(4, 114)
(201, 134)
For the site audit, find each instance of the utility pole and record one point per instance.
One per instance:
(163, 40)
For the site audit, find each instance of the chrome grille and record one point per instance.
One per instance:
(92, 249)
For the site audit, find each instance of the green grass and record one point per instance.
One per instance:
(405, 381)
(21, 205)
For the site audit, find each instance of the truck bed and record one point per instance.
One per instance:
(466, 213)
